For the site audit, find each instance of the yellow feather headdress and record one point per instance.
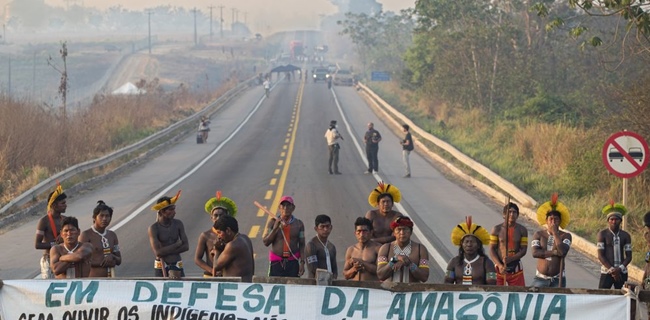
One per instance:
(57, 192)
(549, 206)
(384, 188)
(468, 228)
(167, 202)
(221, 202)
(614, 209)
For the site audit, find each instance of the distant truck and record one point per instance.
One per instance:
(296, 49)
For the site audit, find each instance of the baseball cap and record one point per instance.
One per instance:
(286, 199)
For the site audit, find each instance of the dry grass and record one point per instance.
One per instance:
(39, 142)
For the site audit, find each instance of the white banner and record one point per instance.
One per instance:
(201, 300)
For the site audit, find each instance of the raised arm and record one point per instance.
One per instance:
(272, 229)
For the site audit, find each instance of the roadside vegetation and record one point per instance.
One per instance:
(38, 141)
(530, 96)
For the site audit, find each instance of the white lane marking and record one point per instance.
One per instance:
(433, 253)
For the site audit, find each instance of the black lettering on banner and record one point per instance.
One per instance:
(36, 316)
(166, 312)
(89, 314)
(127, 313)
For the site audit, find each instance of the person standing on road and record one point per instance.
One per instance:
(551, 246)
(48, 228)
(508, 244)
(286, 236)
(205, 252)
(407, 147)
(383, 197)
(471, 266)
(320, 252)
(267, 86)
(71, 258)
(614, 248)
(361, 258)
(236, 258)
(409, 260)
(332, 136)
(371, 139)
(168, 239)
(106, 250)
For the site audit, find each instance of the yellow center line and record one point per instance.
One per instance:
(268, 195)
(280, 163)
(283, 154)
(276, 172)
(255, 230)
(291, 141)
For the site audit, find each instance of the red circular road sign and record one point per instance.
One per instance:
(625, 154)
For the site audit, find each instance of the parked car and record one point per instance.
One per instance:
(343, 77)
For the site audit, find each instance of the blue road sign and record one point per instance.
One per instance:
(379, 76)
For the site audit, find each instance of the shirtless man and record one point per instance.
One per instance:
(383, 197)
(320, 252)
(361, 258)
(48, 229)
(409, 260)
(512, 271)
(550, 246)
(168, 239)
(236, 258)
(205, 252)
(71, 259)
(286, 236)
(471, 266)
(614, 249)
(106, 250)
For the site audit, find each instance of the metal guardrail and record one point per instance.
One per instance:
(508, 187)
(48, 183)
(585, 246)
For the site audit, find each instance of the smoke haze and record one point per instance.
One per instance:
(261, 15)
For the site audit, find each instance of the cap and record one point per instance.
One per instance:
(287, 199)
(332, 122)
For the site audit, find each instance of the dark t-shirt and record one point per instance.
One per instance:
(408, 138)
(372, 138)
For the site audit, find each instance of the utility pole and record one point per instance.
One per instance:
(195, 36)
(149, 13)
(9, 80)
(211, 7)
(232, 24)
(221, 20)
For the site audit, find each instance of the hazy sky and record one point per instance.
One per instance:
(276, 13)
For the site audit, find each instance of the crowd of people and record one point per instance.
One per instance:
(384, 250)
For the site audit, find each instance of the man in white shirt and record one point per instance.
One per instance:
(332, 135)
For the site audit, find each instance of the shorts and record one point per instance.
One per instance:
(176, 268)
(46, 271)
(284, 268)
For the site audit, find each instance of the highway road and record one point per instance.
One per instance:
(262, 148)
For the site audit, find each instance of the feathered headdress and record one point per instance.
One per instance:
(166, 202)
(57, 193)
(556, 205)
(221, 202)
(384, 188)
(468, 228)
(614, 209)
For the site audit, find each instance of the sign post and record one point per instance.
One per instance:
(625, 155)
